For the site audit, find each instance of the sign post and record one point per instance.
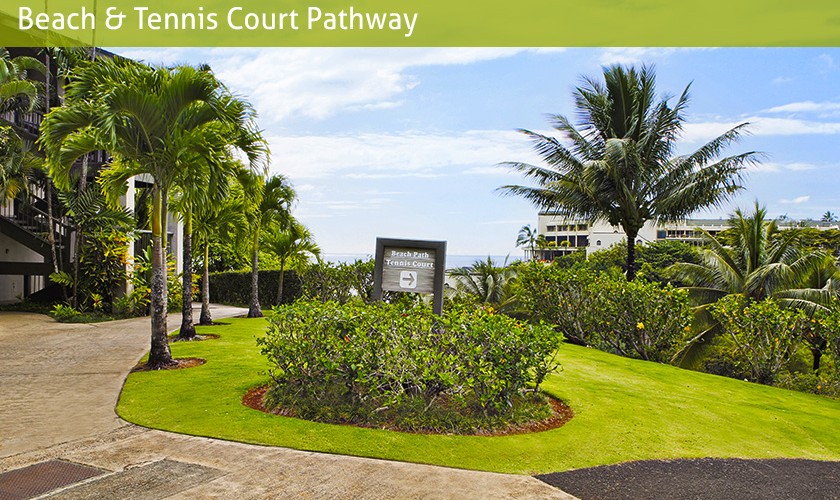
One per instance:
(410, 266)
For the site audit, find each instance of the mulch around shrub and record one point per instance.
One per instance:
(561, 413)
(712, 478)
(203, 336)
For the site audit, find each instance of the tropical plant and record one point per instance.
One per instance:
(210, 185)
(17, 92)
(219, 222)
(527, 238)
(485, 282)
(828, 216)
(760, 262)
(293, 247)
(271, 206)
(618, 164)
(149, 119)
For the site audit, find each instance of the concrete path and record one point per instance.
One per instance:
(60, 384)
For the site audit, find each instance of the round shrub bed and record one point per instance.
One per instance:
(468, 371)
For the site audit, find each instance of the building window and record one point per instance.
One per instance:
(598, 243)
(551, 229)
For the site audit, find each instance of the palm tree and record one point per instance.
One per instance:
(760, 262)
(828, 216)
(527, 238)
(17, 92)
(485, 281)
(216, 222)
(618, 164)
(293, 246)
(271, 206)
(210, 185)
(150, 119)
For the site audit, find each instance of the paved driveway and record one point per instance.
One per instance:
(59, 384)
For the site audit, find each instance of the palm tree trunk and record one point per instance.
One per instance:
(187, 327)
(280, 283)
(631, 254)
(205, 318)
(159, 354)
(254, 310)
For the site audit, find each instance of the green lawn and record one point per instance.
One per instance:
(624, 410)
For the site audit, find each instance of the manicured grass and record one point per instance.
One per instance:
(624, 410)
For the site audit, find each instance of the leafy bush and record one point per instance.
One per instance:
(66, 314)
(381, 363)
(637, 319)
(766, 335)
(339, 282)
(825, 384)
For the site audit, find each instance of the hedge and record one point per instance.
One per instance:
(235, 287)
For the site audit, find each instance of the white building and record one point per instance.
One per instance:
(565, 236)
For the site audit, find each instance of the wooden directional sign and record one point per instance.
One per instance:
(410, 266)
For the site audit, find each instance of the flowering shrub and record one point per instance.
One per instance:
(637, 318)
(385, 363)
(766, 335)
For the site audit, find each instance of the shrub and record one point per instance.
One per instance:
(766, 335)
(638, 319)
(339, 282)
(382, 363)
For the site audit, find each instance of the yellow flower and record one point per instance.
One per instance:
(640, 325)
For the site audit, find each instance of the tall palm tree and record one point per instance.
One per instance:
(760, 262)
(272, 205)
(619, 165)
(221, 222)
(527, 238)
(293, 246)
(149, 119)
(210, 185)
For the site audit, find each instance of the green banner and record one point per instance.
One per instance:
(419, 23)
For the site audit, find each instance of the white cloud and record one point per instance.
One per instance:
(636, 55)
(319, 82)
(796, 201)
(781, 80)
(406, 154)
(805, 107)
(781, 167)
(760, 126)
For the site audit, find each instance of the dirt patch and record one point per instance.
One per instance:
(561, 413)
(177, 364)
(204, 336)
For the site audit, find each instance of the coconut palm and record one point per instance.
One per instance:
(760, 262)
(293, 247)
(270, 205)
(485, 281)
(618, 164)
(149, 119)
(527, 238)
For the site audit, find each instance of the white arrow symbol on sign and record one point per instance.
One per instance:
(408, 279)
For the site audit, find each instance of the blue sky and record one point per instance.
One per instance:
(404, 142)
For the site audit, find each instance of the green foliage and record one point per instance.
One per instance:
(339, 282)
(617, 164)
(383, 362)
(653, 259)
(235, 287)
(825, 384)
(102, 270)
(766, 335)
(636, 319)
(485, 282)
(65, 314)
